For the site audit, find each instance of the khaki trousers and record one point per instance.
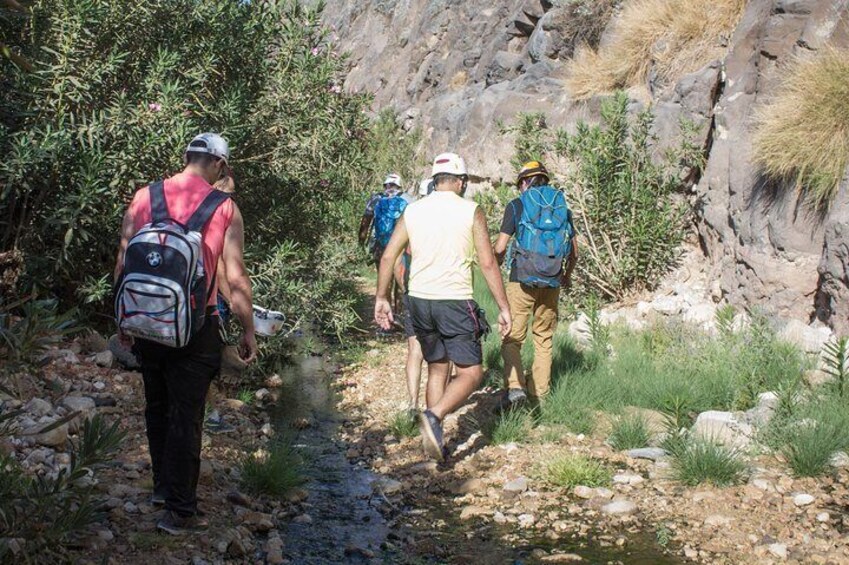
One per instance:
(524, 302)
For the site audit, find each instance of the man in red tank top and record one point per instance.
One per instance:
(176, 381)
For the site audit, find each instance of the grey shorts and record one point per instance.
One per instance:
(407, 318)
(449, 330)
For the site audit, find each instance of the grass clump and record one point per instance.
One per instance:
(697, 461)
(801, 134)
(808, 429)
(666, 37)
(403, 425)
(810, 446)
(629, 432)
(512, 426)
(272, 471)
(573, 470)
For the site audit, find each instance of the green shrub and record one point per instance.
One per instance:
(574, 470)
(28, 328)
(808, 430)
(810, 446)
(835, 360)
(107, 111)
(697, 461)
(273, 471)
(630, 227)
(512, 426)
(402, 425)
(629, 432)
(48, 511)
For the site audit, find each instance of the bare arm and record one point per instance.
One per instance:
(500, 247)
(571, 261)
(397, 244)
(127, 232)
(241, 299)
(490, 270)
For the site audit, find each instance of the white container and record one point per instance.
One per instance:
(268, 322)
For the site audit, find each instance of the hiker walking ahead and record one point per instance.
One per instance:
(444, 232)
(173, 235)
(382, 213)
(544, 255)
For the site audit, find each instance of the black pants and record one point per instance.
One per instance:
(175, 385)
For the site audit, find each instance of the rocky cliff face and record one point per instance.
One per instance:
(457, 68)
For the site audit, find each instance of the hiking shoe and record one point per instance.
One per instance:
(176, 525)
(431, 430)
(512, 399)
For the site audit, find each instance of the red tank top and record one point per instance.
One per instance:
(184, 192)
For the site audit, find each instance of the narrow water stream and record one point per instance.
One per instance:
(345, 525)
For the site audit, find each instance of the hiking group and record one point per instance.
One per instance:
(426, 250)
(180, 272)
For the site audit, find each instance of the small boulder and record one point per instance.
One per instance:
(803, 499)
(387, 486)
(258, 521)
(651, 453)
(262, 394)
(55, 437)
(105, 359)
(470, 512)
(38, 407)
(631, 479)
(724, 428)
(778, 550)
(810, 339)
(622, 507)
(233, 404)
(516, 486)
(584, 492)
(274, 381)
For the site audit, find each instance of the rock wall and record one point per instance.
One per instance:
(457, 68)
(766, 242)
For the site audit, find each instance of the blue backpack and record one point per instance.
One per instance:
(543, 237)
(386, 214)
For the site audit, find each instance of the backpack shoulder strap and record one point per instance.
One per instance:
(206, 209)
(158, 206)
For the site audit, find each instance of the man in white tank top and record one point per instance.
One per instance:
(444, 232)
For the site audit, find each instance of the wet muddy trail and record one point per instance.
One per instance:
(350, 520)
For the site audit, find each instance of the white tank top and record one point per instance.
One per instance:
(442, 246)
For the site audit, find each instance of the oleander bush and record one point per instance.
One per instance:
(100, 97)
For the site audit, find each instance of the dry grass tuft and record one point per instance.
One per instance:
(802, 133)
(668, 37)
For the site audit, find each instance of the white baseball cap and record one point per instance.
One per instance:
(449, 163)
(393, 178)
(210, 143)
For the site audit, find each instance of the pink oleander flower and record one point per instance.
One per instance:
(314, 51)
(154, 107)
